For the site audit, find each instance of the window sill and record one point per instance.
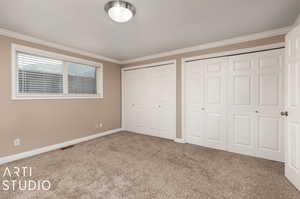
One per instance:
(54, 97)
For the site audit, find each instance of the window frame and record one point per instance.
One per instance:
(15, 48)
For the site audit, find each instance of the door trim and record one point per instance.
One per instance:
(155, 64)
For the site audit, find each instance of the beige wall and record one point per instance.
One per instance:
(41, 123)
(178, 58)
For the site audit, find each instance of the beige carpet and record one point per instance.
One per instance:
(127, 165)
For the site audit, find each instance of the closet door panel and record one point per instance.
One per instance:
(130, 103)
(269, 129)
(214, 130)
(166, 101)
(140, 92)
(234, 103)
(256, 93)
(242, 82)
(214, 103)
(205, 87)
(242, 102)
(270, 142)
(213, 90)
(270, 81)
(242, 133)
(268, 87)
(194, 102)
(150, 101)
(242, 86)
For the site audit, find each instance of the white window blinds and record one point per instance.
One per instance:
(39, 74)
(42, 75)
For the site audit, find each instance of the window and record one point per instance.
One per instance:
(82, 79)
(39, 74)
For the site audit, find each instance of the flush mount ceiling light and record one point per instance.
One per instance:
(120, 11)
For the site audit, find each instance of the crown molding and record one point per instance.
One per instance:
(9, 33)
(251, 37)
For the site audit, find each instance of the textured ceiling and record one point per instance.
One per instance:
(159, 25)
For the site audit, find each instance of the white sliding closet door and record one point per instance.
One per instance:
(242, 102)
(194, 103)
(234, 103)
(133, 107)
(150, 100)
(214, 103)
(255, 103)
(205, 102)
(163, 100)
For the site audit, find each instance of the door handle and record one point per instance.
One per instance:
(284, 113)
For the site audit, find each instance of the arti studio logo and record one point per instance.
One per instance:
(18, 178)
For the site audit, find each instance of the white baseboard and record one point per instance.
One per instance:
(179, 140)
(34, 152)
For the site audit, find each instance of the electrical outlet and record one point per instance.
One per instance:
(17, 142)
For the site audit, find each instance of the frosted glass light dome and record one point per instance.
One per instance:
(120, 11)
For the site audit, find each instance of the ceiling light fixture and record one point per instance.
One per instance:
(120, 11)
